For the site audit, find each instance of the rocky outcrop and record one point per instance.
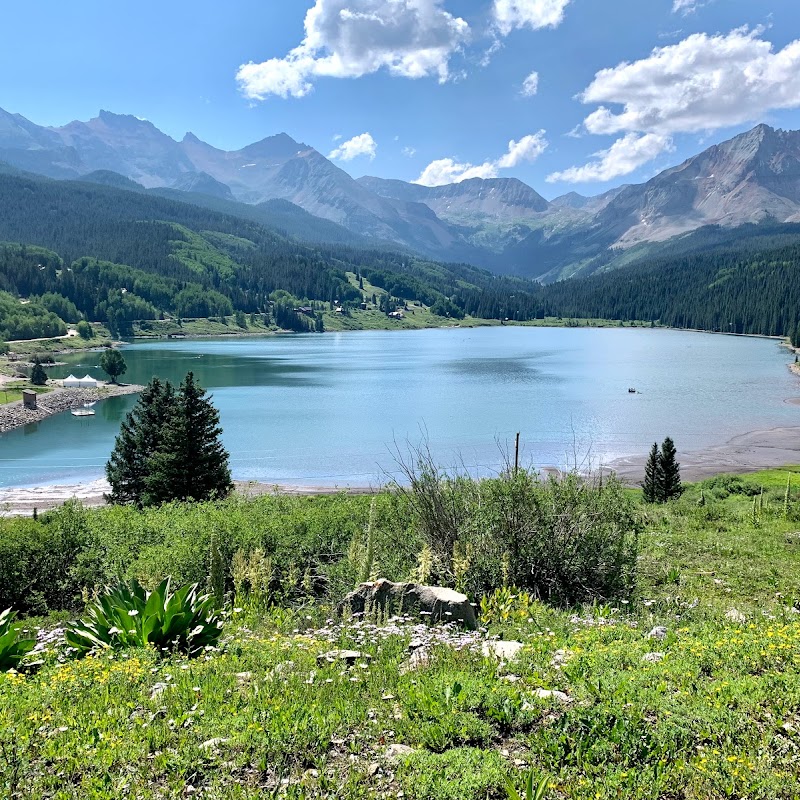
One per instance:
(434, 602)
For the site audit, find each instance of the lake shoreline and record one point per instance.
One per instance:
(58, 401)
(744, 454)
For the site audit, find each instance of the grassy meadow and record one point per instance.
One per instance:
(685, 686)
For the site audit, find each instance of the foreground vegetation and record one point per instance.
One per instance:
(684, 685)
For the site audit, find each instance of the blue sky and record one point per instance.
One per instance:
(436, 84)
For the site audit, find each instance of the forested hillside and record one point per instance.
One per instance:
(124, 255)
(112, 255)
(741, 290)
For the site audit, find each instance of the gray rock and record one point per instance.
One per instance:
(398, 752)
(553, 694)
(734, 615)
(435, 602)
(503, 651)
(158, 688)
(348, 656)
(419, 659)
(213, 744)
(659, 632)
(653, 658)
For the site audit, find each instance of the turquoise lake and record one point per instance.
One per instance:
(328, 409)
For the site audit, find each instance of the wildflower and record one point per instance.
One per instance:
(133, 613)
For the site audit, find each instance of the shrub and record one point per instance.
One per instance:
(130, 616)
(565, 541)
(41, 562)
(13, 648)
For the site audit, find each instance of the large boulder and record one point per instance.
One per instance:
(434, 602)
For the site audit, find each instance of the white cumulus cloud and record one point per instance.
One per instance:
(361, 145)
(352, 38)
(701, 84)
(623, 157)
(448, 170)
(528, 148)
(530, 86)
(511, 14)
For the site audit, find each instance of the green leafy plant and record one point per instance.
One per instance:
(129, 616)
(13, 648)
(506, 605)
(533, 790)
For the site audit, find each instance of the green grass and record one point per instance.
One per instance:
(201, 327)
(11, 392)
(716, 715)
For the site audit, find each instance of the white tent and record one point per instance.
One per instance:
(71, 382)
(87, 382)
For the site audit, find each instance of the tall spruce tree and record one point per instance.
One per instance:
(191, 462)
(671, 469)
(38, 375)
(652, 487)
(138, 441)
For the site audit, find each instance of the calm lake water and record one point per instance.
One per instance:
(327, 409)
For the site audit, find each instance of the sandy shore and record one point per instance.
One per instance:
(20, 502)
(750, 452)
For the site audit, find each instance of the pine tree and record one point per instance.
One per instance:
(653, 477)
(191, 463)
(38, 375)
(671, 470)
(138, 441)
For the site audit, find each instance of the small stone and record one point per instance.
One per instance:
(398, 752)
(373, 768)
(659, 632)
(158, 688)
(213, 744)
(653, 658)
(504, 651)
(348, 656)
(243, 677)
(510, 678)
(734, 615)
(554, 694)
(419, 660)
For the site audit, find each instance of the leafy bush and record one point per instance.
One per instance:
(565, 541)
(13, 648)
(130, 616)
(463, 773)
(42, 562)
(723, 486)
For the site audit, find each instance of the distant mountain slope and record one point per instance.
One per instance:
(125, 255)
(498, 199)
(750, 178)
(500, 224)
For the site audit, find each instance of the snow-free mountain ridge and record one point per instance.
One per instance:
(499, 223)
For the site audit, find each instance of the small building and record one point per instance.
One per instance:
(29, 399)
(307, 310)
(71, 382)
(88, 382)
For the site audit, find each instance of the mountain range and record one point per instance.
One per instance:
(500, 224)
